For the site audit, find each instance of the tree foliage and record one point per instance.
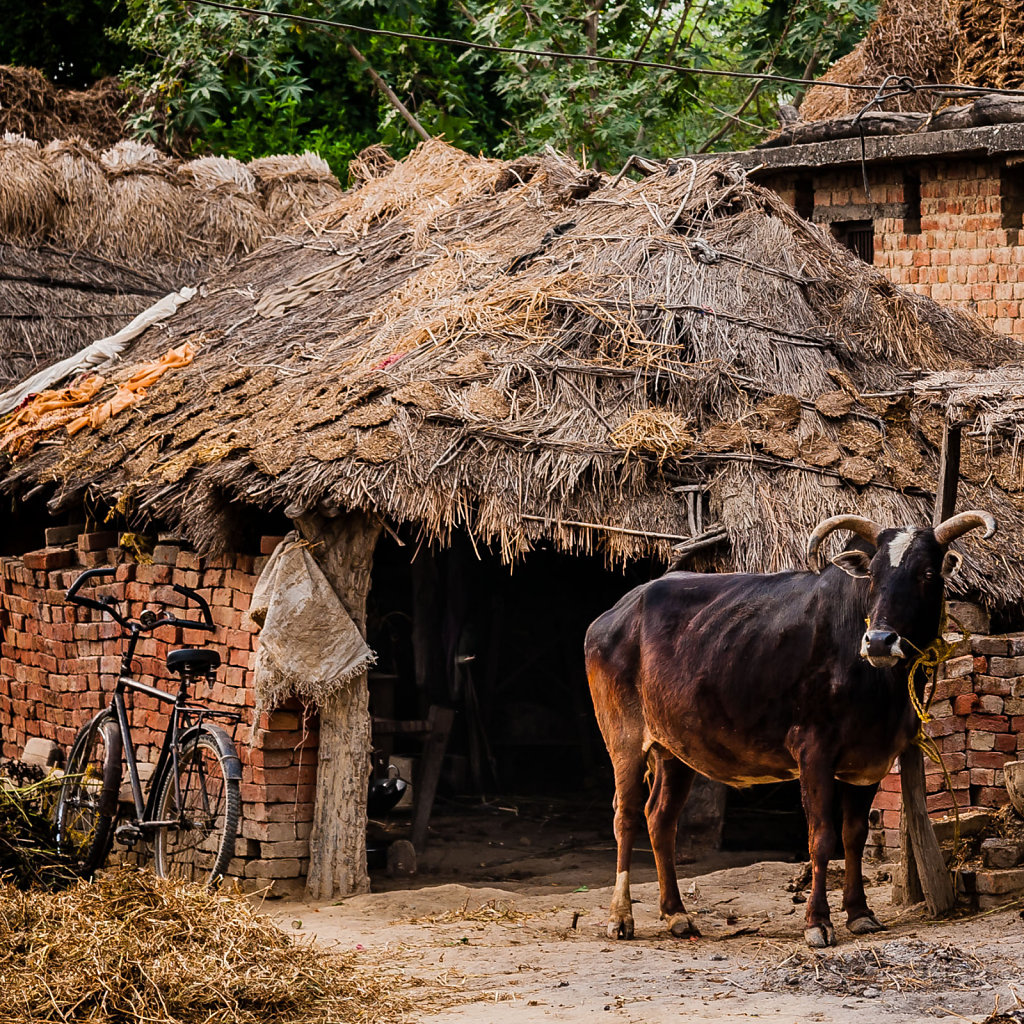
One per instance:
(217, 80)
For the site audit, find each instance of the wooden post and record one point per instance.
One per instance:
(343, 547)
(923, 868)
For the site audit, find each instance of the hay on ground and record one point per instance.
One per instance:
(134, 948)
(83, 190)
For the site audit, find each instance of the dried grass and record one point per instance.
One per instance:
(975, 42)
(83, 190)
(500, 911)
(32, 105)
(29, 198)
(132, 948)
(658, 431)
(294, 188)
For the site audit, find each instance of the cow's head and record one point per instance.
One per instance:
(906, 575)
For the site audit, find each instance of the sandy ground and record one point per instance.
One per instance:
(532, 947)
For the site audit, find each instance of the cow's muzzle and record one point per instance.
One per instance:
(881, 647)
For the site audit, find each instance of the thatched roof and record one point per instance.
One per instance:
(91, 238)
(973, 42)
(523, 349)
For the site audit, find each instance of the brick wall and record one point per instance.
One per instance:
(58, 664)
(964, 249)
(978, 725)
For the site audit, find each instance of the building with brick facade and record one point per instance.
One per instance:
(941, 211)
(462, 367)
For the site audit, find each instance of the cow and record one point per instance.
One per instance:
(752, 678)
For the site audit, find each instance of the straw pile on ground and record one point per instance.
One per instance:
(133, 948)
(97, 237)
(28, 856)
(34, 106)
(973, 42)
(530, 352)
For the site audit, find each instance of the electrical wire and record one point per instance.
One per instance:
(594, 58)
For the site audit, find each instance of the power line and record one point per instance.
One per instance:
(467, 44)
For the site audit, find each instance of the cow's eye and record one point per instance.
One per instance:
(929, 575)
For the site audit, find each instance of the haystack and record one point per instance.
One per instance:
(147, 208)
(293, 186)
(973, 42)
(542, 355)
(33, 106)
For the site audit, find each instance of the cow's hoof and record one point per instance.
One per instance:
(865, 925)
(681, 924)
(620, 927)
(820, 936)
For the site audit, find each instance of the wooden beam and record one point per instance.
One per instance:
(923, 870)
(343, 547)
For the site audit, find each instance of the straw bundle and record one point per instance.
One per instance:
(294, 187)
(223, 208)
(441, 352)
(28, 190)
(133, 948)
(147, 211)
(989, 42)
(653, 430)
(83, 190)
(372, 162)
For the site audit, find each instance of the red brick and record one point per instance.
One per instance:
(991, 723)
(966, 703)
(48, 559)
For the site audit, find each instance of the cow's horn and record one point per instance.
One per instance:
(947, 532)
(855, 524)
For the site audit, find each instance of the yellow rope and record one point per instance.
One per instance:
(934, 655)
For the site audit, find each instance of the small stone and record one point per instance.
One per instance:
(871, 993)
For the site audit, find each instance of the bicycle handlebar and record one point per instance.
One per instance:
(109, 605)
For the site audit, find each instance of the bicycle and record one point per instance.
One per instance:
(192, 806)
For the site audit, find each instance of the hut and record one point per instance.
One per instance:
(482, 363)
(925, 185)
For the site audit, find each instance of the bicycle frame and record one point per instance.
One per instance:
(183, 716)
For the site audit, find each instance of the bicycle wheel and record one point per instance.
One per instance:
(87, 802)
(205, 804)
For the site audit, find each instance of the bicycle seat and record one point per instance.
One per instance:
(197, 660)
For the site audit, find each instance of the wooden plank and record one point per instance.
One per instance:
(923, 868)
(430, 772)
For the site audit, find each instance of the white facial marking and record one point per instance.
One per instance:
(899, 544)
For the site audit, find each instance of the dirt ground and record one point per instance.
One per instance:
(506, 923)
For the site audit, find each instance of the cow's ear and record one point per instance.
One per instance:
(853, 563)
(951, 563)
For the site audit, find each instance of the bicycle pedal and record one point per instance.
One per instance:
(128, 834)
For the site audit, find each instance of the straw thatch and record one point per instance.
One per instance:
(135, 948)
(96, 237)
(527, 351)
(973, 42)
(34, 106)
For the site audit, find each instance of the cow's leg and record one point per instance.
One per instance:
(817, 787)
(628, 807)
(669, 789)
(856, 804)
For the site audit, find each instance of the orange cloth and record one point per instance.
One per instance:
(134, 388)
